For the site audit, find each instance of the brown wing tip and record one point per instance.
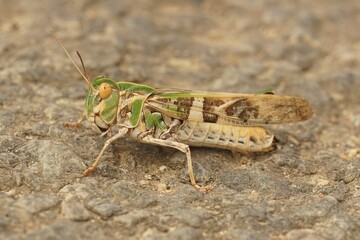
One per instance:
(304, 109)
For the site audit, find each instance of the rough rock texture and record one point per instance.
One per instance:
(309, 188)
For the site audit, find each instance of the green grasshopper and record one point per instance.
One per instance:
(182, 118)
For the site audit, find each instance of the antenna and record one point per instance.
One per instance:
(84, 75)
(82, 64)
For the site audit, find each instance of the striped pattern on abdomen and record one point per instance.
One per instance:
(236, 138)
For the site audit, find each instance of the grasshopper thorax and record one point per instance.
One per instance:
(102, 102)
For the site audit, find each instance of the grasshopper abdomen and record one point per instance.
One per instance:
(235, 138)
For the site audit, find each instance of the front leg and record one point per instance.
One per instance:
(179, 146)
(120, 134)
(75, 124)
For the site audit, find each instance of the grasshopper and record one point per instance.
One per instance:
(182, 118)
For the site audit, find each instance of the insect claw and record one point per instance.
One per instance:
(74, 124)
(88, 171)
(71, 124)
(204, 189)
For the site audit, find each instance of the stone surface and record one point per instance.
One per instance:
(306, 189)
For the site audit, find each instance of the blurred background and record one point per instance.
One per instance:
(303, 48)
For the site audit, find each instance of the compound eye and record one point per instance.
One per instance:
(105, 90)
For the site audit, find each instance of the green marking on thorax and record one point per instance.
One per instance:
(154, 120)
(135, 88)
(142, 92)
(136, 108)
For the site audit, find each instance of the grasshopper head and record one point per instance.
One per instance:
(102, 100)
(102, 103)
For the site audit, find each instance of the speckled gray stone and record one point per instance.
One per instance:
(308, 188)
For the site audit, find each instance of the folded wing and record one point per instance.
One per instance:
(230, 109)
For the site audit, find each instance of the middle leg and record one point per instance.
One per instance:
(179, 146)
